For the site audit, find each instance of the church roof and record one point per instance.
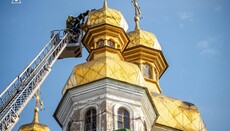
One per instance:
(106, 15)
(177, 114)
(105, 66)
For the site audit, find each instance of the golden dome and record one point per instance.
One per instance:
(107, 65)
(35, 125)
(177, 114)
(106, 15)
(141, 37)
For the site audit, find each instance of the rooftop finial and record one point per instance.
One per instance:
(136, 19)
(138, 14)
(36, 109)
(105, 4)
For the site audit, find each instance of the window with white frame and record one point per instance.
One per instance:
(123, 119)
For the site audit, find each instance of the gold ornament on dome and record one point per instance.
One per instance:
(141, 37)
(35, 125)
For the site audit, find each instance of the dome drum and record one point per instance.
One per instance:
(140, 52)
(105, 35)
(105, 51)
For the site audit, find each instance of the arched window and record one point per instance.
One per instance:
(101, 43)
(123, 120)
(147, 71)
(111, 44)
(90, 120)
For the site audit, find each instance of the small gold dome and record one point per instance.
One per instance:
(35, 125)
(106, 15)
(141, 37)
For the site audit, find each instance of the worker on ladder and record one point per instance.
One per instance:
(73, 23)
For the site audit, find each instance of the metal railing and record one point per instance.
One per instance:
(22, 78)
(16, 96)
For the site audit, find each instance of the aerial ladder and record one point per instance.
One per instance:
(17, 95)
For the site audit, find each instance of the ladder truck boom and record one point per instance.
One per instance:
(16, 96)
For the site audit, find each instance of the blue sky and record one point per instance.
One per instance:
(193, 34)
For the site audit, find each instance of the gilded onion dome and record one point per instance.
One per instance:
(35, 125)
(106, 15)
(141, 37)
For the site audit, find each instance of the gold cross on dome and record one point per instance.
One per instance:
(37, 99)
(137, 9)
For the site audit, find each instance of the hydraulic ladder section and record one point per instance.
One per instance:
(16, 96)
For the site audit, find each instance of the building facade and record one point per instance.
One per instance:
(117, 88)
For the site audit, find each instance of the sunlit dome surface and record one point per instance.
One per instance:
(104, 67)
(106, 15)
(141, 37)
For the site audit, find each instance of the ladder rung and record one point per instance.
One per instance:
(27, 82)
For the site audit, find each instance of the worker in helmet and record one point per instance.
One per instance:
(69, 22)
(77, 25)
(69, 28)
(74, 25)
